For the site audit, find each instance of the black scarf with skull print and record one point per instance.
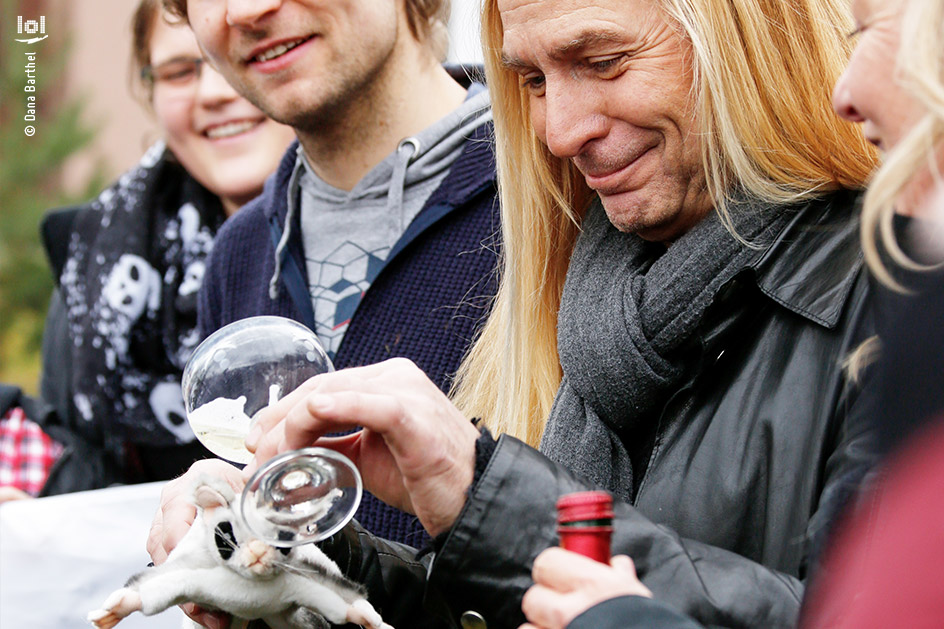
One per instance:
(135, 264)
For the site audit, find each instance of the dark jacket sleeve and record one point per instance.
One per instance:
(632, 612)
(509, 519)
(84, 463)
(484, 565)
(394, 575)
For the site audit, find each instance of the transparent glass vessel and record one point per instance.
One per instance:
(297, 497)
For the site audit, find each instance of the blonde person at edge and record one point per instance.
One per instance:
(894, 88)
(897, 94)
(678, 198)
(116, 342)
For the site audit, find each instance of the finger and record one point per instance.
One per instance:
(155, 546)
(176, 519)
(266, 439)
(218, 620)
(325, 413)
(354, 377)
(177, 509)
(364, 396)
(348, 445)
(266, 447)
(8, 494)
(206, 618)
(382, 414)
(193, 612)
(398, 366)
(629, 580)
(266, 419)
(172, 520)
(565, 570)
(545, 607)
(269, 446)
(624, 564)
(382, 478)
(322, 413)
(250, 469)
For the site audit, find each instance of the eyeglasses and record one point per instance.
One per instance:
(179, 71)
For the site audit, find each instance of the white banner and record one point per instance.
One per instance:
(60, 557)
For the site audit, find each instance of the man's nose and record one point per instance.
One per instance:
(248, 12)
(572, 118)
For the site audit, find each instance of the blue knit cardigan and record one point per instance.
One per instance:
(426, 304)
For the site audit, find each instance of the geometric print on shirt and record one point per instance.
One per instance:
(337, 287)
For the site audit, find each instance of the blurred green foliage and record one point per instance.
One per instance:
(29, 186)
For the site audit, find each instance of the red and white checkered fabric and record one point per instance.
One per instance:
(26, 452)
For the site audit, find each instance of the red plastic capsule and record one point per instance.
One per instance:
(585, 523)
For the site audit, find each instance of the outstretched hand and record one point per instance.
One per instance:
(416, 450)
(568, 584)
(174, 517)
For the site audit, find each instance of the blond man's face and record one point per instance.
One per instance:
(610, 88)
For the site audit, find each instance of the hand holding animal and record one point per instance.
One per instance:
(219, 565)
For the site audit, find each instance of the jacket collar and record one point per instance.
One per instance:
(812, 266)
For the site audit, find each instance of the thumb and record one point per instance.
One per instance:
(624, 564)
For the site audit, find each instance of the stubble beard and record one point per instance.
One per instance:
(345, 102)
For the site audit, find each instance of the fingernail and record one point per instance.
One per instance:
(252, 439)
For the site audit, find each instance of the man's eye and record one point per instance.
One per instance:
(534, 84)
(607, 67)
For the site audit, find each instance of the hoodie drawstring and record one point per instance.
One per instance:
(398, 177)
(286, 231)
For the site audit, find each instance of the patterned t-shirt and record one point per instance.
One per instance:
(348, 235)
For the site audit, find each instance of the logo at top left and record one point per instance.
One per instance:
(31, 27)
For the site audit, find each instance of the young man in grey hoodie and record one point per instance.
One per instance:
(379, 228)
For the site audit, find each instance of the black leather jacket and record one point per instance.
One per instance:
(748, 457)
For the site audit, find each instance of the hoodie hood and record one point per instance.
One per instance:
(402, 181)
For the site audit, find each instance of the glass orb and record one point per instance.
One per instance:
(239, 370)
(297, 497)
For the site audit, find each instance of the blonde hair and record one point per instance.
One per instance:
(768, 129)
(919, 70)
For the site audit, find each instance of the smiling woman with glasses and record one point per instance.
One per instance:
(221, 139)
(177, 71)
(117, 340)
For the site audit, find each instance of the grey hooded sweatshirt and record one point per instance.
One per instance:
(347, 235)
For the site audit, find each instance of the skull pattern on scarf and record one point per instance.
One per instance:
(135, 265)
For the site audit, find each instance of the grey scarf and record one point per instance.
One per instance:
(629, 326)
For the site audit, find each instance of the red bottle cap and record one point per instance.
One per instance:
(585, 523)
(584, 506)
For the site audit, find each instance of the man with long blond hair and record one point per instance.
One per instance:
(681, 281)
